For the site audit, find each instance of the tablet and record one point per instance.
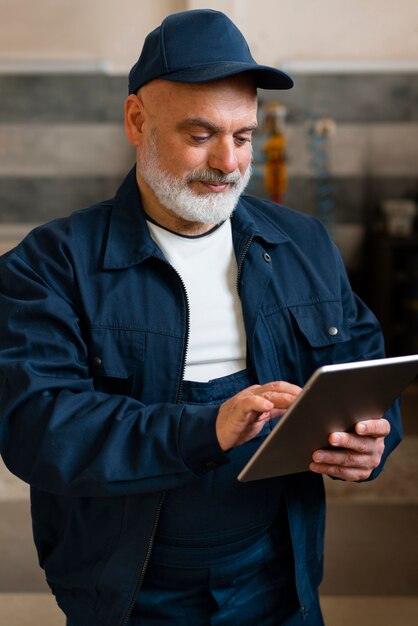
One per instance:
(333, 399)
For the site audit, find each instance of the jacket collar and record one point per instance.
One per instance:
(248, 219)
(129, 241)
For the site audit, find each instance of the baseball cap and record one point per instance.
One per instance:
(199, 46)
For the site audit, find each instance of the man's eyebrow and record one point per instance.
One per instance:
(203, 123)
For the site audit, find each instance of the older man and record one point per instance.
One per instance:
(147, 343)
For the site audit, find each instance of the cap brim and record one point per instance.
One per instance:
(265, 77)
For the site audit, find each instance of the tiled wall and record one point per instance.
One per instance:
(374, 152)
(62, 143)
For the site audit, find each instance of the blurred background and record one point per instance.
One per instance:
(342, 145)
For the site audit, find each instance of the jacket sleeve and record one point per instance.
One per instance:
(366, 342)
(57, 432)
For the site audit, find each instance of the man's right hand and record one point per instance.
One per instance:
(243, 416)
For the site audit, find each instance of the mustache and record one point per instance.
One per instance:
(214, 176)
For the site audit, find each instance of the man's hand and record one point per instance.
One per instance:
(243, 416)
(358, 453)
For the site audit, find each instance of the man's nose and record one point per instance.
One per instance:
(223, 157)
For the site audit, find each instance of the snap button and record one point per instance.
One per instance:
(96, 361)
(211, 465)
(332, 330)
(267, 257)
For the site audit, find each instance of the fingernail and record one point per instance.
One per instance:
(361, 428)
(335, 440)
(318, 456)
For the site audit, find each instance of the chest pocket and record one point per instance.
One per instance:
(321, 324)
(322, 336)
(115, 355)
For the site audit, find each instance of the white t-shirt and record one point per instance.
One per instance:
(208, 268)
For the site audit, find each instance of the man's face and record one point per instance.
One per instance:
(194, 148)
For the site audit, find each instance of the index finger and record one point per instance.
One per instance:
(280, 386)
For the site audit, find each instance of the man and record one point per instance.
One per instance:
(147, 343)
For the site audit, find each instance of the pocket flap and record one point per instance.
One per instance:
(115, 352)
(322, 323)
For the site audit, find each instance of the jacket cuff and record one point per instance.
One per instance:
(198, 442)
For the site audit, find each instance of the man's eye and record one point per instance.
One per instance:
(242, 140)
(200, 138)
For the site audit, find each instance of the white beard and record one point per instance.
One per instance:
(176, 195)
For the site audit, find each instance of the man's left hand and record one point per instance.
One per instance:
(358, 453)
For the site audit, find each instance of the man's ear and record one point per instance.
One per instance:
(134, 119)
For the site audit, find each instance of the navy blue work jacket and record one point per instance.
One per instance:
(94, 327)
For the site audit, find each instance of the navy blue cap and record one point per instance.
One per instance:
(199, 46)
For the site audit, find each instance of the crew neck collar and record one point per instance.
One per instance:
(173, 232)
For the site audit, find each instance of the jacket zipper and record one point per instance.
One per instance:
(145, 564)
(178, 399)
(241, 261)
(187, 338)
